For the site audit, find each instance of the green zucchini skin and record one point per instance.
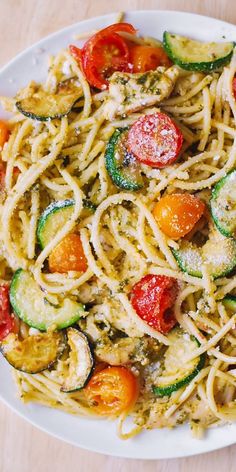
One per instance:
(225, 243)
(43, 106)
(52, 209)
(218, 204)
(167, 391)
(173, 359)
(35, 353)
(116, 170)
(82, 358)
(230, 302)
(59, 207)
(171, 40)
(31, 306)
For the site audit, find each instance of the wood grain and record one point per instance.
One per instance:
(22, 447)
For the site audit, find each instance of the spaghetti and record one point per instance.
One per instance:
(64, 159)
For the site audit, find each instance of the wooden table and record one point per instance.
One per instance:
(22, 447)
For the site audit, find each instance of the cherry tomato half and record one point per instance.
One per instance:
(177, 214)
(104, 53)
(145, 58)
(234, 87)
(155, 140)
(68, 255)
(7, 320)
(112, 391)
(4, 133)
(153, 298)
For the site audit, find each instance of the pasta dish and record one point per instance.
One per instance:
(118, 232)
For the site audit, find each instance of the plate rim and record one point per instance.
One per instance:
(24, 416)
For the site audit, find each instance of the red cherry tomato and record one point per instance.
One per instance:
(77, 54)
(155, 140)
(145, 58)
(7, 320)
(153, 298)
(234, 87)
(104, 53)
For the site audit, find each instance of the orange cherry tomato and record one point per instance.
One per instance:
(4, 133)
(177, 214)
(112, 391)
(68, 255)
(144, 58)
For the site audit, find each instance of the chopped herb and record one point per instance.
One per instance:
(66, 161)
(141, 80)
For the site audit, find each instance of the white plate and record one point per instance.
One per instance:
(92, 434)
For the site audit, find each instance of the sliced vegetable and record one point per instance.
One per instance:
(7, 320)
(121, 165)
(223, 204)
(218, 253)
(112, 391)
(144, 58)
(230, 303)
(43, 106)
(34, 353)
(4, 133)
(80, 361)
(177, 214)
(104, 53)
(153, 298)
(155, 140)
(177, 372)
(68, 255)
(234, 87)
(31, 305)
(196, 55)
(56, 215)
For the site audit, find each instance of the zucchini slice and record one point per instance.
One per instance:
(196, 55)
(56, 215)
(35, 353)
(29, 302)
(43, 106)
(122, 167)
(219, 253)
(80, 361)
(176, 372)
(223, 204)
(230, 303)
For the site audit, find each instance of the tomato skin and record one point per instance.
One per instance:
(7, 320)
(155, 140)
(145, 58)
(68, 255)
(104, 53)
(152, 298)
(99, 61)
(177, 214)
(234, 87)
(112, 391)
(76, 53)
(4, 133)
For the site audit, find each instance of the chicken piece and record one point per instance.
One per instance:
(127, 350)
(119, 352)
(132, 92)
